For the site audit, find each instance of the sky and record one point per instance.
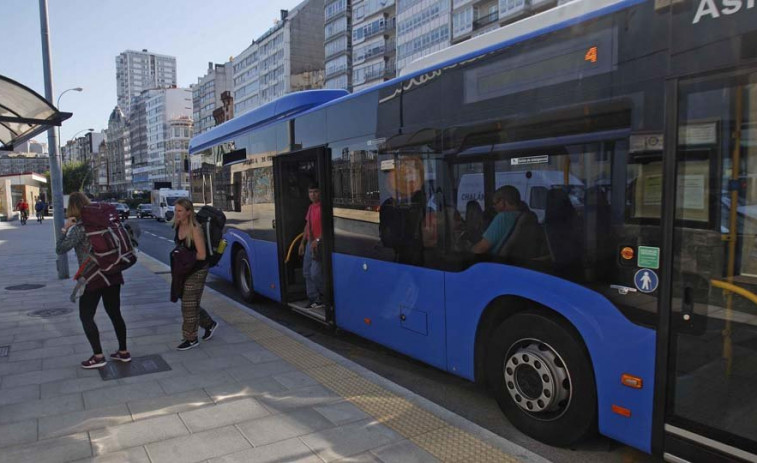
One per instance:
(87, 35)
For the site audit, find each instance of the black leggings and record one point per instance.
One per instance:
(88, 302)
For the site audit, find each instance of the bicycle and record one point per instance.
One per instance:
(24, 217)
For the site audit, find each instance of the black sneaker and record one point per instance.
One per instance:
(209, 331)
(187, 344)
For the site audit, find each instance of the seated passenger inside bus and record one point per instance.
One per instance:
(507, 204)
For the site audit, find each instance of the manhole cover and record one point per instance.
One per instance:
(49, 313)
(24, 287)
(137, 367)
(4, 351)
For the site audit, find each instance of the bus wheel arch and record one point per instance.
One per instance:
(539, 370)
(242, 272)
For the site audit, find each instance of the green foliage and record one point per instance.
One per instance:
(76, 176)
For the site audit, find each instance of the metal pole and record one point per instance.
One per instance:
(56, 176)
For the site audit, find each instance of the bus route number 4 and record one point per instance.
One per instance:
(591, 55)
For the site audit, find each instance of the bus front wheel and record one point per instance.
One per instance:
(542, 378)
(243, 275)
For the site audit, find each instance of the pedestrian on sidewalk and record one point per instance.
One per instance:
(75, 238)
(40, 208)
(189, 269)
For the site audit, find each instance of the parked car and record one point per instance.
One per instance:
(123, 210)
(144, 210)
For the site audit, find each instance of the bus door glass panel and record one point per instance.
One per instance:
(714, 307)
(296, 175)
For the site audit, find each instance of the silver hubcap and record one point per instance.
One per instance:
(537, 379)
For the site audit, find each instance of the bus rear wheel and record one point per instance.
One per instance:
(542, 378)
(243, 275)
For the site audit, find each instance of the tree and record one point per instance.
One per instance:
(76, 175)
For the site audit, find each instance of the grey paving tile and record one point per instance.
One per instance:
(58, 450)
(218, 363)
(132, 455)
(224, 414)
(150, 408)
(351, 439)
(276, 428)
(70, 386)
(295, 380)
(188, 357)
(26, 345)
(39, 408)
(198, 447)
(176, 370)
(85, 420)
(36, 377)
(18, 433)
(365, 457)
(261, 356)
(289, 450)
(221, 349)
(303, 397)
(341, 413)
(197, 381)
(64, 340)
(121, 394)
(245, 388)
(10, 368)
(141, 432)
(19, 394)
(261, 369)
(403, 452)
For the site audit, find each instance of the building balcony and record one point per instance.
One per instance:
(335, 54)
(485, 20)
(336, 71)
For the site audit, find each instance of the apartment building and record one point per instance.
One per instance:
(207, 95)
(338, 44)
(137, 71)
(19, 163)
(423, 27)
(374, 43)
(177, 151)
(116, 170)
(287, 58)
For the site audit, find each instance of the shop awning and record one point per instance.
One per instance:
(24, 114)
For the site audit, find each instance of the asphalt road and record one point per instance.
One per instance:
(456, 394)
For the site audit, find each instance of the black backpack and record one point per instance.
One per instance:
(212, 221)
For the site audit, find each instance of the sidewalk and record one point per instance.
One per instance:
(254, 392)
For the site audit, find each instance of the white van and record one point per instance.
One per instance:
(532, 185)
(163, 201)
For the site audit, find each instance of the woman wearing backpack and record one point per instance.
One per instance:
(188, 278)
(75, 238)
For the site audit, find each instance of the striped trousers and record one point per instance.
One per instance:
(191, 312)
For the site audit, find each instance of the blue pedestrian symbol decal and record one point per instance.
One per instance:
(646, 280)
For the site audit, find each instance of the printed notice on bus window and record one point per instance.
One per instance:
(652, 190)
(529, 160)
(691, 191)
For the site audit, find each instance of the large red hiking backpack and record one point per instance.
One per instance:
(112, 249)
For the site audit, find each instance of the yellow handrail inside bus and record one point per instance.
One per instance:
(291, 246)
(734, 289)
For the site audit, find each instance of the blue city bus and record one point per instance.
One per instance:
(623, 300)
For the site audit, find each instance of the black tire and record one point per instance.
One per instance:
(243, 275)
(542, 378)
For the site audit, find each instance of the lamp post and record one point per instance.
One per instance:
(57, 105)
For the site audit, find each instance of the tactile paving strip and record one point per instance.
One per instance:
(445, 442)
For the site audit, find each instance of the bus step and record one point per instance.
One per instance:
(318, 314)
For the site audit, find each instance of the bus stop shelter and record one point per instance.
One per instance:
(24, 114)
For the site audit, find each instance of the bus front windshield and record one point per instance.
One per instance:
(171, 200)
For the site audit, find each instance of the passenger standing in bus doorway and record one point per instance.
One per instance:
(507, 203)
(311, 249)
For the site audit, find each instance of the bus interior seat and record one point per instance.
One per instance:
(526, 246)
(562, 231)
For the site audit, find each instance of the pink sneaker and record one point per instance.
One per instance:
(121, 357)
(94, 362)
